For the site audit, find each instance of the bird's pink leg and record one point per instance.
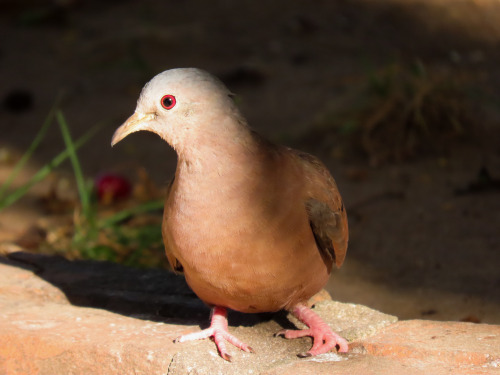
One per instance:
(219, 332)
(324, 339)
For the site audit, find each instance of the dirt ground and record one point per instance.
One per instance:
(425, 238)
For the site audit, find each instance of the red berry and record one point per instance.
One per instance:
(112, 187)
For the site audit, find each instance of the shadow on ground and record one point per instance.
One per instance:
(151, 294)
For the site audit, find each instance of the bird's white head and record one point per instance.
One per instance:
(183, 106)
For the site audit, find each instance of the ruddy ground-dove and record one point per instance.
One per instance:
(254, 227)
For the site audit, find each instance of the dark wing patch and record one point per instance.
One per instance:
(327, 215)
(177, 266)
(328, 228)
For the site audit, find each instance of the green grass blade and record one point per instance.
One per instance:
(80, 179)
(33, 146)
(49, 167)
(125, 214)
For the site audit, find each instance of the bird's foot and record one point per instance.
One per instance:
(219, 332)
(324, 339)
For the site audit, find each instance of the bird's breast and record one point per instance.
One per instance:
(246, 247)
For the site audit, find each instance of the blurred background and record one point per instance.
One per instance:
(399, 98)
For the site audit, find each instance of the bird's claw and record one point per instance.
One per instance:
(304, 355)
(280, 333)
(218, 331)
(219, 336)
(324, 339)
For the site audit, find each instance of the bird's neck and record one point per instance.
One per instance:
(224, 162)
(218, 157)
(220, 149)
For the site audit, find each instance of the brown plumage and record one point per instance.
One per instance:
(254, 226)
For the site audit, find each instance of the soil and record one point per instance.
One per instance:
(424, 209)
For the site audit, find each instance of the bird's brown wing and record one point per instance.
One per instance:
(174, 262)
(326, 211)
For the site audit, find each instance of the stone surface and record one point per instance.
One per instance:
(81, 317)
(450, 343)
(47, 338)
(369, 365)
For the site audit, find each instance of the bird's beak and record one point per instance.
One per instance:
(138, 121)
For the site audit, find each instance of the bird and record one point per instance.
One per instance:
(254, 226)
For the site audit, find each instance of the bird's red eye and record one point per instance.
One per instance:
(168, 101)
